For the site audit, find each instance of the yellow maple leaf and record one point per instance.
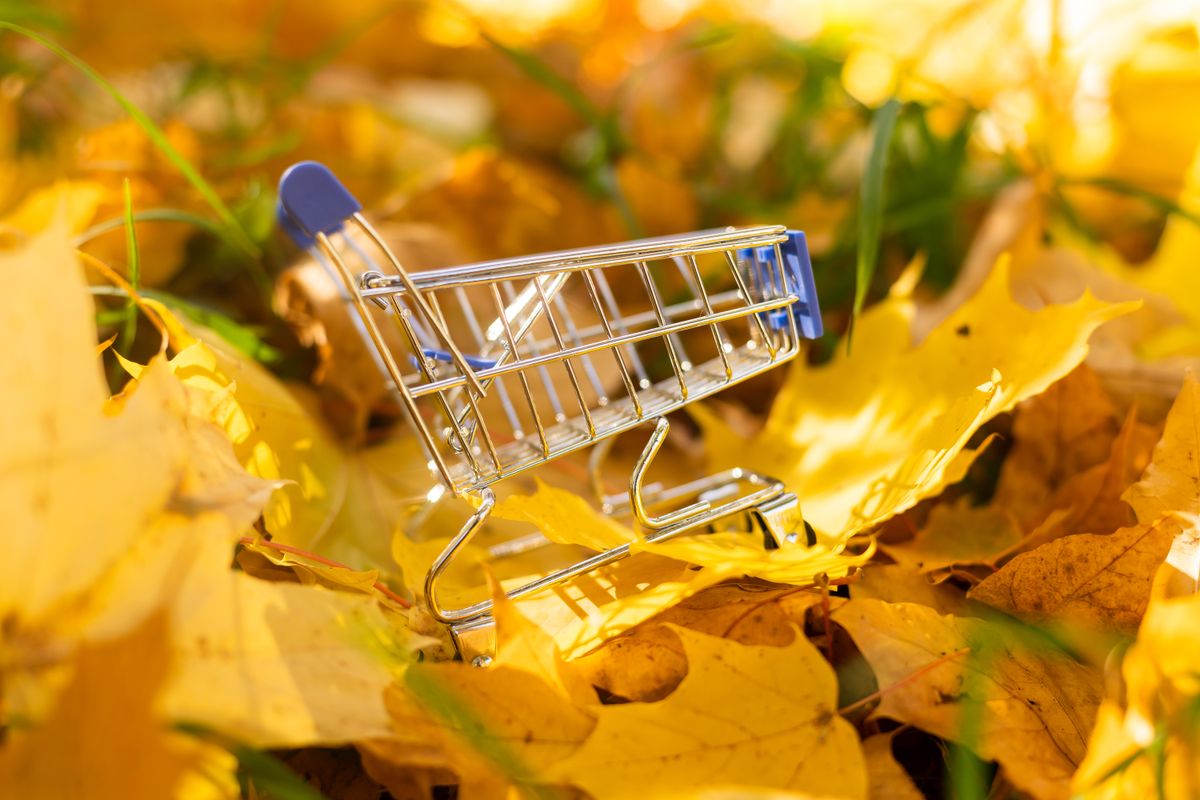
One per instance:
(744, 715)
(858, 439)
(79, 200)
(105, 738)
(115, 511)
(580, 617)
(60, 447)
(273, 435)
(565, 517)
(648, 662)
(280, 664)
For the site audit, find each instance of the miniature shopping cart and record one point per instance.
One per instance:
(506, 365)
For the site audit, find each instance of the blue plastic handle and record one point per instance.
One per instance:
(289, 226)
(313, 201)
(798, 275)
(474, 362)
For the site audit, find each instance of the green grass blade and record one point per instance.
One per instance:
(870, 214)
(542, 73)
(154, 215)
(266, 772)
(156, 134)
(272, 776)
(129, 330)
(1117, 186)
(31, 13)
(243, 338)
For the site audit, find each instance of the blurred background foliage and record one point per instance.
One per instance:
(517, 127)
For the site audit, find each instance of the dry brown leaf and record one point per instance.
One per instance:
(1092, 500)
(957, 534)
(1040, 705)
(895, 583)
(1096, 581)
(1171, 482)
(311, 300)
(1058, 434)
(1144, 741)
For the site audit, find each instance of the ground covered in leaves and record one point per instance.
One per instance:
(215, 526)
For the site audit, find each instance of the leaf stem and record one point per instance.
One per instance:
(379, 586)
(930, 667)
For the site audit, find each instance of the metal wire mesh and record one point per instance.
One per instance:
(563, 349)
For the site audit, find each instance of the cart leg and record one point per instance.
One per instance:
(487, 500)
(776, 511)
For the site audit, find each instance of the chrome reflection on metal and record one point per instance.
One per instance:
(505, 365)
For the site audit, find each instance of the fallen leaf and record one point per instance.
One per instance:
(1040, 705)
(744, 715)
(500, 724)
(648, 662)
(1096, 581)
(565, 518)
(957, 534)
(895, 583)
(273, 434)
(311, 301)
(888, 780)
(733, 554)
(105, 737)
(593, 608)
(1171, 482)
(260, 559)
(63, 459)
(1092, 500)
(1057, 434)
(281, 664)
(1154, 711)
(858, 440)
(523, 646)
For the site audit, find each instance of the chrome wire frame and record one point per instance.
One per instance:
(454, 375)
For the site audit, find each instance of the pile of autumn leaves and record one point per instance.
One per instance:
(139, 601)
